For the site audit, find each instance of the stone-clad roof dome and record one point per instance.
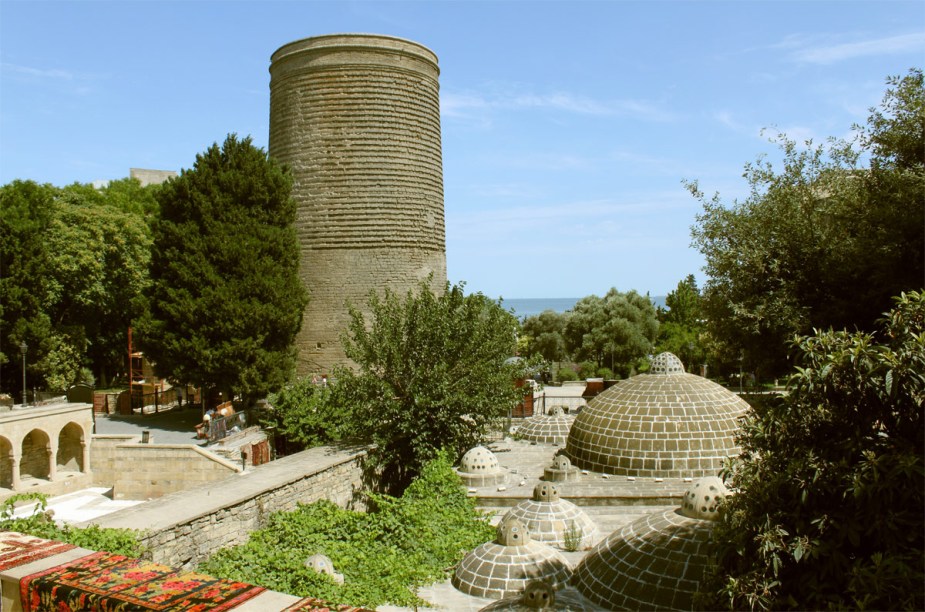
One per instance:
(479, 467)
(504, 567)
(657, 562)
(665, 423)
(550, 428)
(554, 521)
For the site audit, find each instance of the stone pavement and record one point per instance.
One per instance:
(175, 426)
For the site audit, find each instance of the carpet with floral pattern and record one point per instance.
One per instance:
(115, 583)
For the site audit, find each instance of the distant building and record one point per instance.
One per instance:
(151, 177)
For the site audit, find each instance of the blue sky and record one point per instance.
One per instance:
(568, 127)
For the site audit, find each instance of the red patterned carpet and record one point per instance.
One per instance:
(18, 549)
(115, 583)
(310, 604)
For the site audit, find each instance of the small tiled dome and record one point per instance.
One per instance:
(547, 428)
(702, 499)
(666, 423)
(496, 569)
(561, 470)
(539, 595)
(657, 562)
(321, 564)
(555, 521)
(479, 467)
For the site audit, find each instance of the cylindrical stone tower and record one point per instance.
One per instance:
(357, 119)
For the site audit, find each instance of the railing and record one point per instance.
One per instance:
(221, 426)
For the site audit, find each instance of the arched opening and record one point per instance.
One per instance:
(35, 448)
(70, 449)
(6, 463)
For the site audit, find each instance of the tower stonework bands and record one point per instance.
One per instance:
(356, 117)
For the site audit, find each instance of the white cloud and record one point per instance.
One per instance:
(462, 104)
(832, 53)
(38, 72)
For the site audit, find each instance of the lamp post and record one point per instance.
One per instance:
(23, 347)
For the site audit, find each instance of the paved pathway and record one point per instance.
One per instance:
(176, 426)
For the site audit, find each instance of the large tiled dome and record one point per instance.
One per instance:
(664, 423)
(658, 561)
(547, 428)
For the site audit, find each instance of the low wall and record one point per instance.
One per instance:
(149, 471)
(185, 528)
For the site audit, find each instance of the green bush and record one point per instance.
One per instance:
(385, 554)
(307, 414)
(94, 537)
(830, 509)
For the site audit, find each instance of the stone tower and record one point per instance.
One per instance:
(357, 119)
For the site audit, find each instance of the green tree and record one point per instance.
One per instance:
(823, 242)
(99, 255)
(546, 334)
(614, 331)
(432, 371)
(681, 326)
(830, 505)
(225, 301)
(25, 268)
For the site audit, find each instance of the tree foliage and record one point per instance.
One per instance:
(39, 524)
(546, 335)
(614, 331)
(681, 326)
(823, 241)
(830, 508)
(225, 302)
(74, 263)
(385, 554)
(432, 371)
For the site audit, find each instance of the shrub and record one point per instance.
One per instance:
(401, 544)
(39, 524)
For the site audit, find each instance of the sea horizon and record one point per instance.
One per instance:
(528, 307)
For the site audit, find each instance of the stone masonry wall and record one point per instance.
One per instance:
(148, 471)
(183, 529)
(357, 119)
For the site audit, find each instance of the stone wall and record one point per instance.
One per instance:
(183, 529)
(357, 119)
(148, 471)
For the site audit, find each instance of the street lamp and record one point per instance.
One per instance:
(23, 347)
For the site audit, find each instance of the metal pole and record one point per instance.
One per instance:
(23, 347)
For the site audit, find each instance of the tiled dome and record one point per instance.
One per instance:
(538, 595)
(552, 520)
(504, 567)
(547, 428)
(655, 562)
(479, 467)
(666, 423)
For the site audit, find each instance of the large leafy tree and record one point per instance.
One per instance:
(614, 331)
(823, 241)
(99, 254)
(680, 328)
(433, 371)
(545, 335)
(225, 301)
(25, 268)
(830, 505)
(74, 264)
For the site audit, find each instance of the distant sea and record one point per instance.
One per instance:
(527, 307)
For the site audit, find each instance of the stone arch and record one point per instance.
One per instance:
(70, 448)
(36, 447)
(6, 463)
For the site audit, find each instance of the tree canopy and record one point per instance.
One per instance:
(614, 330)
(823, 241)
(225, 301)
(74, 262)
(830, 505)
(681, 325)
(432, 371)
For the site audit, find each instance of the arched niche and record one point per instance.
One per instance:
(35, 449)
(6, 463)
(70, 448)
